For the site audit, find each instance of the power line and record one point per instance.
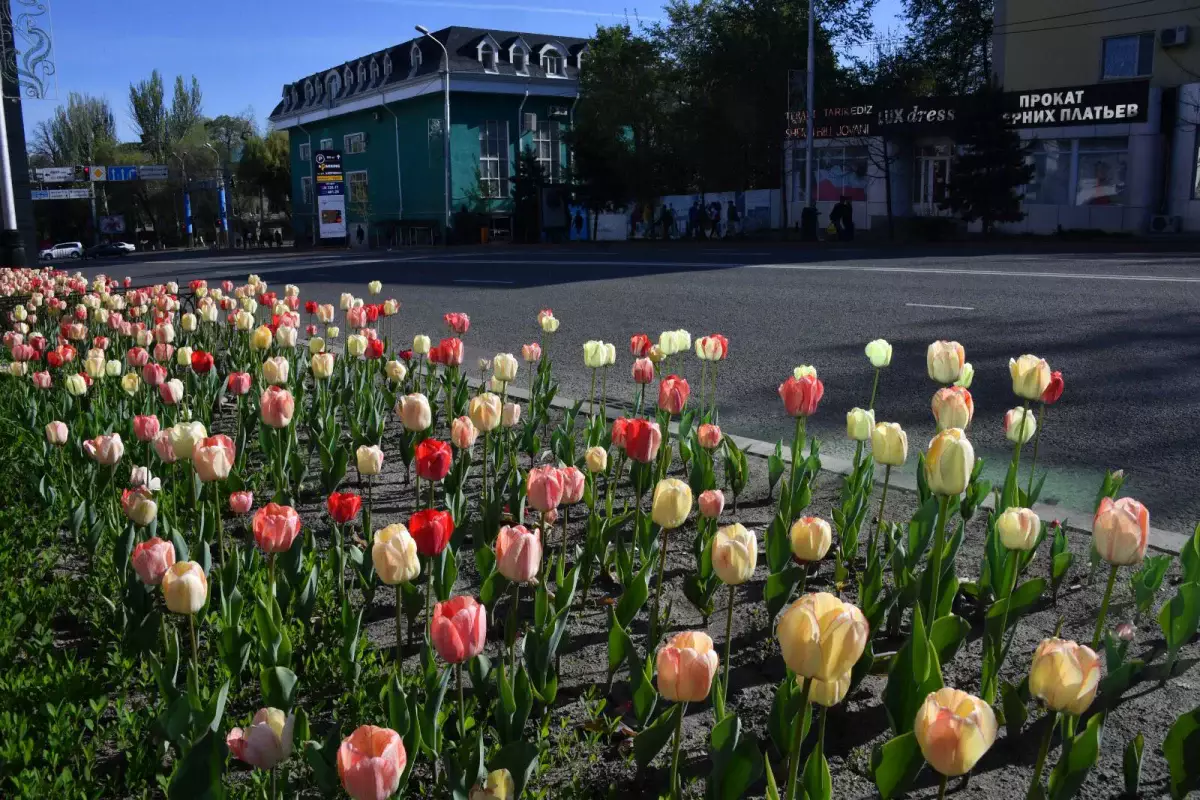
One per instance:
(1099, 21)
(1075, 13)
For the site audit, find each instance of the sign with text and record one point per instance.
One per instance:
(153, 172)
(55, 174)
(60, 194)
(1099, 104)
(331, 194)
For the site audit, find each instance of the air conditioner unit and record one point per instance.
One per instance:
(529, 123)
(1173, 37)
(1166, 223)
(558, 111)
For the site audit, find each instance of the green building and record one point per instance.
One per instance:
(385, 112)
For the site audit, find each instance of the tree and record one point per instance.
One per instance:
(81, 132)
(185, 109)
(527, 184)
(265, 167)
(953, 40)
(149, 115)
(990, 166)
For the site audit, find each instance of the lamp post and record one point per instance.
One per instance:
(808, 123)
(222, 208)
(187, 203)
(446, 126)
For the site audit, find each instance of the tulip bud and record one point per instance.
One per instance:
(286, 336)
(1018, 528)
(241, 502)
(708, 436)
(370, 762)
(275, 370)
(944, 361)
(261, 338)
(395, 371)
(1064, 675)
(811, 538)
(889, 444)
(672, 503)
(518, 553)
(76, 385)
(879, 352)
(822, 637)
(1019, 425)
(859, 424)
(356, 345)
(394, 554)
(968, 375)
(130, 383)
(593, 354)
(421, 344)
(498, 786)
(954, 730)
(548, 322)
(151, 559)
(369, 459)
(187, 323)
(1030, 376)
(458, 629)
(1121, 531)
(332, 332)
(139, 506)
(953, 407)
(505, 366)
(829, 693)
(734, 554)
(949, 462)
(711, 503)
(267, 742)
(56, 432)
(597, 460)
(686, 665)
(643, 371)
(485, 410)
(171, 392)
(544, 488)
(185, 587)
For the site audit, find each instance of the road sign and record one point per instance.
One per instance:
(99, 173)
(61, 194)
(122, 173)
(55, 174)
(153, 172)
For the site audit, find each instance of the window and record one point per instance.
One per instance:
(308, 91)
(333, 83)
(518, 54)
(349, 79)
(306, 152)
(327, 144)
(552, 62)
(493, 158)
(362, 73)
(838, 172)
(1128, 56)
(357, 183)
(1051, 183)
(1103, 166)
(306, 196)
(387, 66)
(415, 56)
(354, 143)
(374, 70)
(488, 56)
(547, 145)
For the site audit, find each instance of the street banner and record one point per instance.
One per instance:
(331, 194)
(114, 223)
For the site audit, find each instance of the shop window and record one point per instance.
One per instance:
(356, 183)
(841, 172)
(1103, 167)
(1051, 183)
(547, 144)
(493, 159)
(1128, 56)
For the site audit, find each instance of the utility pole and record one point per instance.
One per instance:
(446, 125)
(808, 123)
(12, 250)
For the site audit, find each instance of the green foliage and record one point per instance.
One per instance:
(1180, 748)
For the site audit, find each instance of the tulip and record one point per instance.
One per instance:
(395, 371)
(1065, 675)
(1019, 425)
(531, 353)
(322, 366)
(76, 385)
(596, 459)
(593, 354)
(504, 367)
(547, 321)
(185, 587)
(202, 362)
(421, 345)
(889, 444)
(261, 338)
(642, 371)
(829, 693)
(450, 352)
(510, 415)
(811, 538)
(213, 458)
(356, 345)
(275, 370)
(967, 376)
(1018, 528)
(276, 406)
(369, 459)
(243, 320)
(953, 407)
(1030, 376)
(518, 553)
(954, 730)
(433, 459)
(42, 380)
(56, 432)
(414, 413)
(949, 463)
(486, 410)
(171, 392)
(801, 395)
(879, 353)
(859, 424)
(343, 506)
(238, 383)
(151, 559)
(1121, 531)
(394, 554)
(112, 368)
(241, 502)
(734, 554)
(139, 506)
(639, 345)
(457, 321)
(370, 762)
(432, 530)
(642, 440)
(164, 448)
(944, 361)
(463, 433)
(708, 436)
(183, 356)
(105, 450)
(672, 503)
(711, 503)
(184, 436)
(275, 528)
(673, 394)
(130, 383)
(458, 629)
(1054, 389)
(267, 742)
(497, 786)
(544, 488)
(153, 374)
(686, 666)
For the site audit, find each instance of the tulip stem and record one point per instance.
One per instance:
(220, 523)
(935, 559)
(428, 595)
(989, 689)
(462, 703)
(1112, 579)
(511, 633)
(797, 454)
(1041, 757)
(662, 564)
(887, 478)
(1037, 438)
(274, 783)
(486, 438)
(592, 396)
(676, 794)
(942, 780)
(195, 644)
(604, 394)
(728, 641)
(562, 547)
(367, 512)
(874, 388)
(399, 655)
(1016, 459)
(798, 738)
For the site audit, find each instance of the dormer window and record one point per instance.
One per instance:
(293, 96)
(579, 57)
(349, 78)
(489, 54)
(374, 70)
(334, 84)
(552, 62)
(387, 66)
(309, 92)
(362, 73)
(518, 55)
(415, 56)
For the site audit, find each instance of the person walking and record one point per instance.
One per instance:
(732, 221)
(714, 220)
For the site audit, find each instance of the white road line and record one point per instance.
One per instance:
(474, 280)
(989, 272)
(934, 305)
(557, 262)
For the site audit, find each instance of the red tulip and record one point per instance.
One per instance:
(639, 345)
(374, 349)
(451, 351)
(620, 430)
(343, 506)
(458, 322)
(276, 527)
(311, 306)
(801, 395)
(431, 529)
(643, 440)
(643, 371)
(1054, 390)
(458, 629)
(433, 459)
(145, 427)
(154, 374)
(202, 362)
(673, 394)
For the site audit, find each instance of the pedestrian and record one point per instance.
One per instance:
(732, 220)
(359, 235)
(667, 219)
(842, 219)
(278, 238)
(714, 220)
(693, 223)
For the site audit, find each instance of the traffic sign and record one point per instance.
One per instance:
(55, 174)
(153, 172)
(122, 173)
(98, 173)
(60, 194)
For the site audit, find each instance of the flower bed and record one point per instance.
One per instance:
(292, 561)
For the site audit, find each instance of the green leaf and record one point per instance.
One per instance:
(198, 774)
(1189, 558)
(737, 762)
(1148, 580)
(818, 784)
(1015, 710)
(895, 765)
(1132, 764)
(778, 589)
(772, 789)
(397, 707)
(650, 741)
(1180, 748)
(913, 674)
(520, 758)
(1180, 618)
(278, 687)
(947, 635)
(1079, 756)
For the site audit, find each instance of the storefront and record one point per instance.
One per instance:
(1097, 152)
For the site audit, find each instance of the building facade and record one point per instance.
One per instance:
(509, 92)
(1104, 95)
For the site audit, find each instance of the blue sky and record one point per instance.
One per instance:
(244, 51)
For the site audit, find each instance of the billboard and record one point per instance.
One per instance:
(114, 223)
(331, 194)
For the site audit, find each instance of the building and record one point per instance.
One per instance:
(1106, 95)
(384, 111)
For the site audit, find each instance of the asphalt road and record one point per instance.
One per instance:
(1123, 327)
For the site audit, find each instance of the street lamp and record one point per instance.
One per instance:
(445, 124)
(187, 203)
(221, 201)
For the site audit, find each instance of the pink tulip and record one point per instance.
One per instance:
(267, 742)
(137, 357)
(643, 371)
(518, 553)
(709, 436)
(531, 352)
(42, 380)
(573, 484)
(105, 450)
(712, 503)
(458, 628)
(1121, 531)
(213, 458)
(163, 352)
(673, 394)
(241, 502)
(238, 383)
(171, 392)
(276, 527)
(277, 406)
(463, 433)
(151, 560)
(370, 763)
(145, 427)
(56, 432)
(154, 374)
(544, 488)
(163, 447)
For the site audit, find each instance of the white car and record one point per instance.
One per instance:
(63, 250)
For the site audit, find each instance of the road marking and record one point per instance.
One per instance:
(934, 305)
(480, 280)
(551, 262)
(989, 272)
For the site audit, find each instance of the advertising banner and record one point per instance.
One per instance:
(114, 223)
(331, 194)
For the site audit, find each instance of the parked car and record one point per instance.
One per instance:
(109, 249)
(63, 250)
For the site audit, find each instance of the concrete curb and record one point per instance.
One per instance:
(1163, 541)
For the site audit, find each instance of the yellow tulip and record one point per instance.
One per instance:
(1030, 376)
(879, 352)
(811, 538)
(829, 693)
(261, 338)
(734, 554)
(954, 730)
(1065, 675)
(822, 637)
(1018, 528)
(889, 444)
(949, 462)
(394, 554)
(597, 459)
(944, 361)
(322, 365)
(485, 411)
(672, 503)
(185, 587)
(498, 786)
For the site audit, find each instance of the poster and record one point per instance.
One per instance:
(580, 227)
(114, 223)
(331, 194)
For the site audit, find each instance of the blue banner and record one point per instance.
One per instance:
(224, 209)
(187, 211)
